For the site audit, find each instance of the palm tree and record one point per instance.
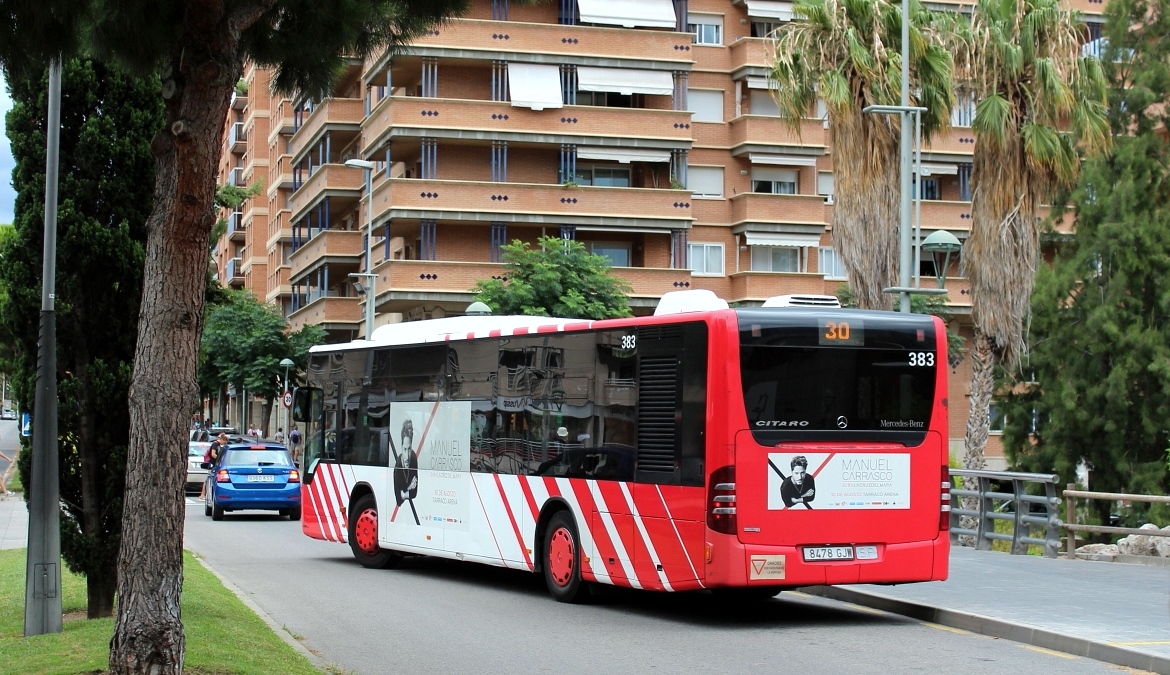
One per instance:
(848, 52)
(1039, 101)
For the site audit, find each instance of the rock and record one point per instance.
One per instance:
(1162, 545)
(1139, 544)
(1098, 549)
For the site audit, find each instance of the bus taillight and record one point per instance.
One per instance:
(944, 515)
(721, 500)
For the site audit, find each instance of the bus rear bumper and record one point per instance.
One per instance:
(733, 564)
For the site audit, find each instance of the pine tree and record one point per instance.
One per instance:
(197, 49)
(1096, 386)
(105, 172)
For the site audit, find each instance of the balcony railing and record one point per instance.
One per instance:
(333, 179)
(751, 52)
(235, 177)
(327, 310)
(759, 286)
(338, 114)
(672, 208)
(500, 116)
(235, 225)
(340, 246)
(772, 208)
(235, 269)
(237, 137)
(760, 130)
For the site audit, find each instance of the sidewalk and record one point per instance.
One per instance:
(13, 521)
(1113, 612)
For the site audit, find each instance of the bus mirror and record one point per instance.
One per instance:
(302, 404)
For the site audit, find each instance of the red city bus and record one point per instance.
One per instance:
(741, 450)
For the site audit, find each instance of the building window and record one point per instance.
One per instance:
(964, 111)
(706, 258)
(602, 176)
(607, 99)
(763, 29)
(617, 253)
(964, 174)
(705, 181)
(706, 104)
(830, 264)
(707, 28)
(762, 103)
(774, 181)
(929, 189)
(997, 417)
(775, 259)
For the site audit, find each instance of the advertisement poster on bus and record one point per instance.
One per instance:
(431, 459)
(838, 481)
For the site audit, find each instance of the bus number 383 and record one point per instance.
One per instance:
(922, 358)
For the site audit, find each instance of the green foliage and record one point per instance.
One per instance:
(244, 342)
(229, 197)
(1098, 373)
(557, 278)
(242, 87)
(107, 122)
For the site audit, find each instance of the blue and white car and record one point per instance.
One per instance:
(253, 476)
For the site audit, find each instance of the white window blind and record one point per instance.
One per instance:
(705, 181)
(762, 103)
(707, 105)
(705, 258)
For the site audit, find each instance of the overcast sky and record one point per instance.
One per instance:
(7, 196)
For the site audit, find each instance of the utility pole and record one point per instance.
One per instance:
(42, 582)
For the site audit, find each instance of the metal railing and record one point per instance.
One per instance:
(1072, 494)
(1015, 506)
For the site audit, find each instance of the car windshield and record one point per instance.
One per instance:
(257, 458)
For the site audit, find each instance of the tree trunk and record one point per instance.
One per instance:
(266, 415)
(978, 418)
(197, 85)
(99, 586)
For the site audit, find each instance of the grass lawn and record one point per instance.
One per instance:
(223, 636)
(14, 484)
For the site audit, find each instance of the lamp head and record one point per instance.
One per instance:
(359, 164)
(478, 308)
(940, 245)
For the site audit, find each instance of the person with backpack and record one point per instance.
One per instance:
(294, 439)
(212, 456)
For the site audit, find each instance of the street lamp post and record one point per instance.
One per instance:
(287, 363)
(368, 275)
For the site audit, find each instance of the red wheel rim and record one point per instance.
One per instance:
(560, 557)
(365, 531)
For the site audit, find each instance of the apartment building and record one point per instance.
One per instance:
(643, 129)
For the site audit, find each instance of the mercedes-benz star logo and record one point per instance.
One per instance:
(842, 422)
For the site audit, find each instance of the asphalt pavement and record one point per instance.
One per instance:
(1109, 611)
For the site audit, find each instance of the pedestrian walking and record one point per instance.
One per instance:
(294, 439)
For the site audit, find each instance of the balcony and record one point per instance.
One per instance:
(478, 117)
(335, 115)
(754, 53)
(329, 312)
(762, 133)
(235, 177)
(534, 203)
(338, 247)
(237, 138)
(235, 226)
(496, 39)
(759, 286)
(955, 141)
(404, 284)
(235, 271)
(753, 207)
(239, 101)
(937, 214)
(329, 180)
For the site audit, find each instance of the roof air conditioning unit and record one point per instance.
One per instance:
(802, 301)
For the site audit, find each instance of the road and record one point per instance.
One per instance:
(439, 616)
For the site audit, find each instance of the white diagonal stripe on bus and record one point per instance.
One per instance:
(483, 507)
(520, 508)
(342, 505)
(311, 490)
(654, 560)
(686, 553)
(618, 545)
(585, 533)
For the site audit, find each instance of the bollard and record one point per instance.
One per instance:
(1071, 517)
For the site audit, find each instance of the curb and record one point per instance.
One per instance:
(984, 625)
(280, 631)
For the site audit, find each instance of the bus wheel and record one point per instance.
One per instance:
(363, 536)
(562, 559)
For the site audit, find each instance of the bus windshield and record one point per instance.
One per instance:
(816, 375)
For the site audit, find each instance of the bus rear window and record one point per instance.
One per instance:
(874, 385)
